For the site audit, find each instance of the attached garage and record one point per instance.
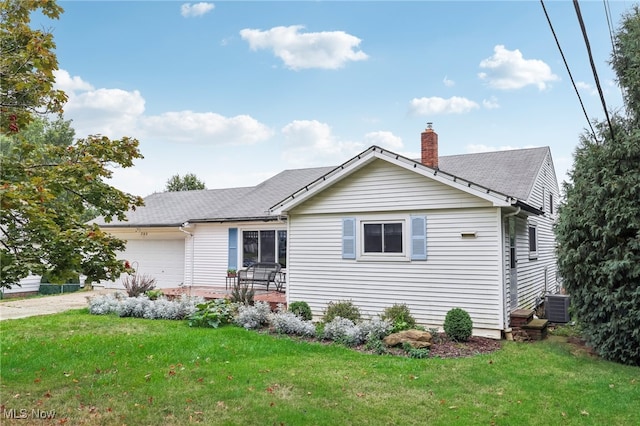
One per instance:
(156, 253)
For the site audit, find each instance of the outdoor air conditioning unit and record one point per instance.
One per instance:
(556, 308)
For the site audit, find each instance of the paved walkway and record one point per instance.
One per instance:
(12, 309)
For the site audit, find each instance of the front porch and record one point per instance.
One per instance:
(273, 297)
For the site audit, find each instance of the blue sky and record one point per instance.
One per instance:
(236, 92)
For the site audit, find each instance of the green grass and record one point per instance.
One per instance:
(112, 371)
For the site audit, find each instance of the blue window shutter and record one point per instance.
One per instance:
(418, 238)
(348, 238)
(233, 248)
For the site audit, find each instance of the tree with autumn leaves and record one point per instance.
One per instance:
(47, 187)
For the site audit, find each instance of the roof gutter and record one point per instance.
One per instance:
(526, 207)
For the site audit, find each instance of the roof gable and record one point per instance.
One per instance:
(502, 177)
(361, 160)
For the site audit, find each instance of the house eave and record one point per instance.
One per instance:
(497, 198)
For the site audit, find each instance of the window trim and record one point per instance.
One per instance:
(362, 255)
(241, 231)
(414, 239)
(533, 254)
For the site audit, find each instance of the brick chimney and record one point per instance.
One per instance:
(429, 147)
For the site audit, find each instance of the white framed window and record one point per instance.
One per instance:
(384, 238)
(533, 241)
(264, 246)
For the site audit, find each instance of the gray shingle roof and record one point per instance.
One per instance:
(175, 208)
(509, 172)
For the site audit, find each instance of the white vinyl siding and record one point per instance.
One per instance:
(211, 251)
(538, 274)
(383, 187)
(459, 272)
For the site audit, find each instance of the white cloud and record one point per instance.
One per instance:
(491, 103)
(110, 112)
(65, 82)
(384, 140)
(327, 49)
(116, 112)
(507, 69)
(447, 82)
(586, 87)
(437, 105)
(188, 10)
(311, 143)
(205, 128)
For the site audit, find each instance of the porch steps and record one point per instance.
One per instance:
(525, 325)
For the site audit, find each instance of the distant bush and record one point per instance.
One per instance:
(458, 325)
(400, 316)
(301, 309)
(344, 309)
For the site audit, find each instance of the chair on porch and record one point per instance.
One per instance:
(263, 273)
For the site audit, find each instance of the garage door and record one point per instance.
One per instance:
(160, 259)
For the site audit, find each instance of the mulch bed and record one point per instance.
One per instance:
(442, 347)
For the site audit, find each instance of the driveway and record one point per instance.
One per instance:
(13, 309)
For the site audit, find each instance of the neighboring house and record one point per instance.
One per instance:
(472, 231)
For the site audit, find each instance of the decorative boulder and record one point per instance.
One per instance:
(416, 338)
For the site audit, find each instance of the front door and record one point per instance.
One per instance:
(513, 263)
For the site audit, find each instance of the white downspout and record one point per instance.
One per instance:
(181, 229)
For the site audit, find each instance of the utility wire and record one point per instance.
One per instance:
(555, 37)
(593, 66)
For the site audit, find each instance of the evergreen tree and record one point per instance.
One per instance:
(598, 230)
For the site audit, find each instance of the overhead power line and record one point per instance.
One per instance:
(555, 37)
(593, 66)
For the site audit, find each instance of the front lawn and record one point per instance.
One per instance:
(108, 370)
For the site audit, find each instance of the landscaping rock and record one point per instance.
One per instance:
(416, 338)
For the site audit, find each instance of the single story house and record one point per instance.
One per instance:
(473, 231)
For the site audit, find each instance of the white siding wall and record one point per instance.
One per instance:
(537, 275)
(211, 251)
(458, 272)
(381, 186)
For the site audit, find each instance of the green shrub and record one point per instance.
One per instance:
(344, 309)
(301, 309)
(242, 293)
(415, 352)
(376, 346)
(458, 325)
(60, 277)
(213, 313)
(154, 294)
(400, 316)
